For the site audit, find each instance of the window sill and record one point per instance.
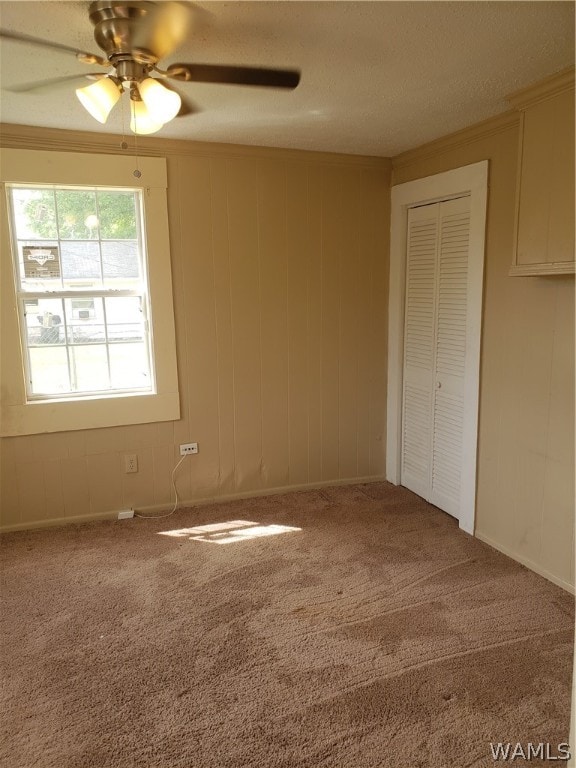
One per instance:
(69, 415)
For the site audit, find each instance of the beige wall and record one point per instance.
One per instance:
(280, 267)
(525, 481)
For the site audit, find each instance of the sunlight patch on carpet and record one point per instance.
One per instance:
(230, 532)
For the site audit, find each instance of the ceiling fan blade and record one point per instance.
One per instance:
(188, 106)
(162, 29)
(230, 75)
(83, 56)
(54, 83)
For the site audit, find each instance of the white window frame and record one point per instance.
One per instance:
(18, 414)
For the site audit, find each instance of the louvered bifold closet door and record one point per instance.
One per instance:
(450, 354)
(435, 351)
(419, 339)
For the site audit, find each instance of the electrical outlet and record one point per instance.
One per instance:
(130, 463)
(187, 448)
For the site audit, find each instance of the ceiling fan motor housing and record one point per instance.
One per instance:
(115, 25)
(128, 69)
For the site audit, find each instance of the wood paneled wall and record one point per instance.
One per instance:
(280, 265)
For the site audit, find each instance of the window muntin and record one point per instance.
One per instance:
(82, 290)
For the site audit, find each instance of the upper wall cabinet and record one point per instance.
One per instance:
(544, 242)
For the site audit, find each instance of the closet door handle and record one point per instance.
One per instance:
(438, 385)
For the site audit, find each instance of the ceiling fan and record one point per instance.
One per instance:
(135, 35)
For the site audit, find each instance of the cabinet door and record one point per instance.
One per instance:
(545, 205)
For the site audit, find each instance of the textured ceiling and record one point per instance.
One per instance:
(377, 77)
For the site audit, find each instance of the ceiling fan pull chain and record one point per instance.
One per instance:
(123, 143)
(137, 171)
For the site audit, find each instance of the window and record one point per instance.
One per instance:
(91, 341)
(79, 256)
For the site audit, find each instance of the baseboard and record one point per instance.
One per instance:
(190, 503)
(262, 492)
(55, 521)
(528, 563)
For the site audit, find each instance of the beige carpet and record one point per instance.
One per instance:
(376, 636)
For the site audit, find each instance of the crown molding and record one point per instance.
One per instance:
(472, 133)
(56, 139)
(545, 89)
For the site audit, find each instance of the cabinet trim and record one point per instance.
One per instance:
(543, 269)
(518, 188)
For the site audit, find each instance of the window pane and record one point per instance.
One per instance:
(85, 321)
(49, 370)
(34, 213)
(81, 263)
(120, 263)
(124, 319)
(77, 214)
(89, 368)
(44, 321)
(129, 366)
(117, 212)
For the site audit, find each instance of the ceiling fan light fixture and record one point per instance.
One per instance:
(135, 35)
(141, 121)
(99, 98)
(161, 102)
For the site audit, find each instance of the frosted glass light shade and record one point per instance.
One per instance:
(141, 121)
(161, 102)
(99, 98)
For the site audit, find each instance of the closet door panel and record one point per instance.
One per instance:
(450, 354)
(422, 242)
